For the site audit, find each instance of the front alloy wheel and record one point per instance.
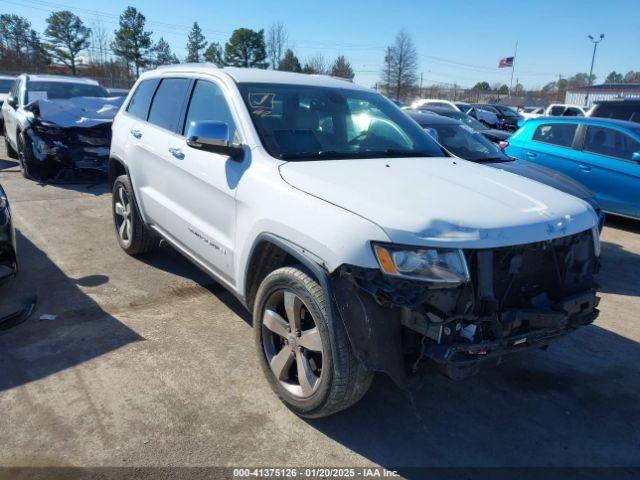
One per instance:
(304, 350)
(292, 343)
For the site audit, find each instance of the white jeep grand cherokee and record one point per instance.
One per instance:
(358, 245)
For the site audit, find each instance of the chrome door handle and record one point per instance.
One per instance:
(176, 152)
(531, 155)
(584, 168)
(136, 133)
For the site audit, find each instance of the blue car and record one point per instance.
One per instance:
(601, 154)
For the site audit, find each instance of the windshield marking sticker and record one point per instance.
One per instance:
(262, 100)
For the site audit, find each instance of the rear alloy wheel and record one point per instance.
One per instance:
(133, 235)
(304, 351)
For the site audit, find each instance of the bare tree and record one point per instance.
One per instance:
(404, 65)
(277, 39)
(316, 64)
(100, 40)
(386, 70)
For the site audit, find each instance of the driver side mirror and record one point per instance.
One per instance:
(635, 156)
(213, 137)
(12, 101)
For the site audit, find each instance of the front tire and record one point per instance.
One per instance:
(11, 153)
(133, 235)
(25, 156)
(305, 353)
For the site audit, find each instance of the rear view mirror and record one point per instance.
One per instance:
(212, 137)
(635, 156)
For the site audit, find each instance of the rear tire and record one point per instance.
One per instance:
(11, 153)
(335, 379)
(133, 235)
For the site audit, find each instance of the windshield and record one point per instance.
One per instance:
(466, 143)
(309, 122)
(467, 120)
(507, 112)
(5, 85)
(37, 90)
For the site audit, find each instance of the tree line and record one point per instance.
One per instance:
(131, 49)
(119, 57)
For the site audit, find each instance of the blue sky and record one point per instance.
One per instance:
(458, 41)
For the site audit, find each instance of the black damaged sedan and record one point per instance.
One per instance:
(8, 258)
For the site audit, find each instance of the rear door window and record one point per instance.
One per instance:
(166, 107)
(560, 134)
(609, 142)
(141, 98)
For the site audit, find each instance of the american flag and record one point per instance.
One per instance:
(505, 62)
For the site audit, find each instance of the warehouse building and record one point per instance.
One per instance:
(598, 93)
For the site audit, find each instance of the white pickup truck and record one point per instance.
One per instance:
(358, 244)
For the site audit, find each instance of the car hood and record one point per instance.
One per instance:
(443, 201)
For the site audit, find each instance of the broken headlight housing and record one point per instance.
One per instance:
(438, 265)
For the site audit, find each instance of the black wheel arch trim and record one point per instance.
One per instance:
(319, 270)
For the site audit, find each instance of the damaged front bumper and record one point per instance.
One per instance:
(519, 297)
(69, 153)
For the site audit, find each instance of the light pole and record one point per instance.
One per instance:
(593, 59)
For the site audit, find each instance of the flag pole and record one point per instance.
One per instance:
(513, 67)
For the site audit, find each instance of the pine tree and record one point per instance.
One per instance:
(289, 62)
(163, 53)
(67, 37)
(246, 48)
(196, 44)
(132, 43)
(342, 68)
(214, 54)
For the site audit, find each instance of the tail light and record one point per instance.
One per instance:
(503, 144)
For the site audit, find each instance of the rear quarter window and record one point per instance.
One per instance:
(141, 99)
(560, 134)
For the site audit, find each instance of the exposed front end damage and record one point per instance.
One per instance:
(62, 154)
(69, 140)
(518, 298)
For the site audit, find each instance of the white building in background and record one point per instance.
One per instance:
(598, 93)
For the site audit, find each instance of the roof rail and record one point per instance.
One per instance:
(188, 65)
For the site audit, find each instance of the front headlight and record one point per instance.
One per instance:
(438, 265)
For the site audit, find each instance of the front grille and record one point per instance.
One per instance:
(534, 275)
